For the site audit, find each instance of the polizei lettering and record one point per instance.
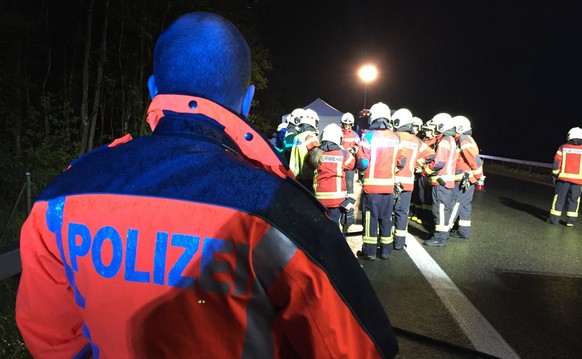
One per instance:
(223, 264)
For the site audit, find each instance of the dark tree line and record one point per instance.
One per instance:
(74, 76)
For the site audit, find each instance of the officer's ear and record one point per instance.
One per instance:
(152, 87)
(247, 100)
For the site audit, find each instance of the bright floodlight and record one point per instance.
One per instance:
(368, 73)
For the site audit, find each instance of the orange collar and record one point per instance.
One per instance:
(253, 146)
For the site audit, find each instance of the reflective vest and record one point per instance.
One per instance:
(416, 153)
(329, 179)
(468, 159)
(380, 149)
(568, 163)
(444, 163)
(302, 144)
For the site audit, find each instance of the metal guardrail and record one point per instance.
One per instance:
(518, 162)
(10, 256)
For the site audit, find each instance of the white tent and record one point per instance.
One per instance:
(327, 113)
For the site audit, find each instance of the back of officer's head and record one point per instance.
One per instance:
(203, 54)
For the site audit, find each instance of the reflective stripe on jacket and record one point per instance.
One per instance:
(302, 144)
(468, 159)
(380, 149)
(351, 139)
(416, 152)
(444, 163)
(568, 163)
(330, 181)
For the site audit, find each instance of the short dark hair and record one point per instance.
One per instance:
(203, 54)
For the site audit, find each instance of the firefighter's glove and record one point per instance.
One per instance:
(348, 218)
(554, 177)
(348, 204)
(441, 181)
(397, 190)
(465, 183)
(353, 150)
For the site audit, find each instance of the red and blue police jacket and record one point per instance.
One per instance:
(180, 244)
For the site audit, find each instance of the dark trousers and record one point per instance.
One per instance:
(565, 194)
(401, 206)
(462, 207)
(335, 214)
(441, 209)
(350, 181)
(377, 221)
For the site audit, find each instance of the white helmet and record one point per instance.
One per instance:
(575, 132)
(347, 118)
(416, 124)
(379, 110)
(429, 128)
(310, 118)
(462, 124)
(443, 122)
(332, 133)
(401, 117)
(295, 116)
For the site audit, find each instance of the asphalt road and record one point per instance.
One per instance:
(514, 290)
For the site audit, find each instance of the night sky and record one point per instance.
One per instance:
(514, 68)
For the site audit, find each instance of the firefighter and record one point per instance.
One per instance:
(351, 142)
(423, 211)
(441, 172)
(293, 120)
(331, 166)
(378, 158)
(305, 141)
(177, 245)
(417, 153)
(415, 203)
(469, 169)
(567, 178)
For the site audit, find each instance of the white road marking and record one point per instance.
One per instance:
(479, 331)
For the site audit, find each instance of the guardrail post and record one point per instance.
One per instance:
(28, 191)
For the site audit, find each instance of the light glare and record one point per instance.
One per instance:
(368, 73)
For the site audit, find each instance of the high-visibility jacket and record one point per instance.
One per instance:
(330, 178)
(351, 139)
(380, 149)
(444, 163)
(177, 245)
(568, 163)
(302, 144)
(468, 160)
(416, 153)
